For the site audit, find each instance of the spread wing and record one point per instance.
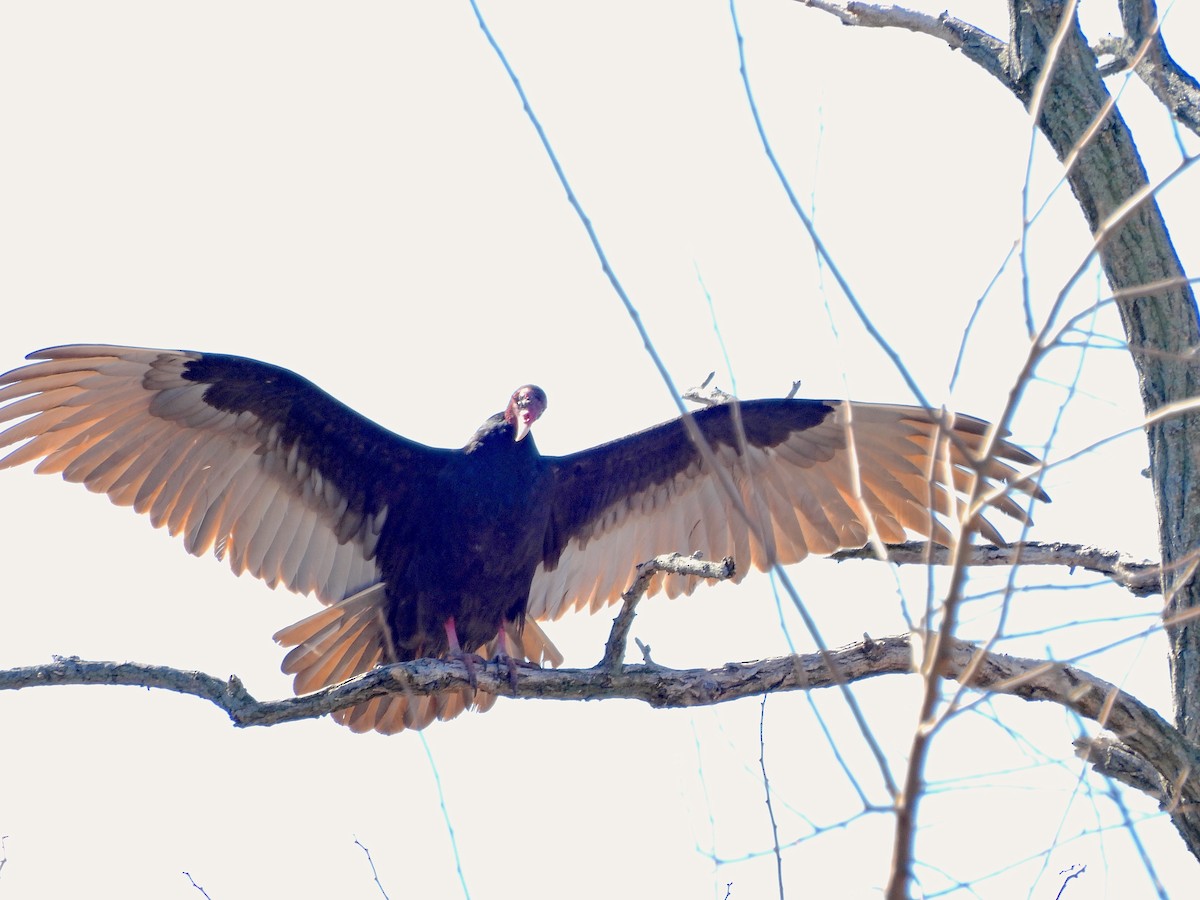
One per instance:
(234, 455)
(810, 477)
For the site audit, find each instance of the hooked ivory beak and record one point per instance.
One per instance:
(524, 408)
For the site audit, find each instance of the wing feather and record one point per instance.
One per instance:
(208, 488)
(151, 442)
(204, 463)
(255, 530)
(98, 447)
(240, 457)
(789, 533)
(300, 546)
(46, 432)
(797, 492)
(153, 497)
(271, 568)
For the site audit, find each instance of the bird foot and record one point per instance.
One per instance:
(455, 651)
(471, 661)
(513, 665)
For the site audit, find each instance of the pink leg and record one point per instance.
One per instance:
(452, 637)
(502, 643)
(457, 652)
(510, 662)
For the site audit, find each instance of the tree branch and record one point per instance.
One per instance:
(614, 648)
(1177, 90)
(1140, 577)
(1168, 769)
(976, 44)
(1047, 59)
(1113, 759)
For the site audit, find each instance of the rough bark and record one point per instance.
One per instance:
(1167, 767)
(1175, 88)
(1162, 329)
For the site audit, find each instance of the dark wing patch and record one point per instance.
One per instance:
(811, 477)
(237, 456)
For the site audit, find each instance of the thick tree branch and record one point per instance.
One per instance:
(1175, 88)
(1161, 750)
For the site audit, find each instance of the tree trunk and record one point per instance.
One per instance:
(1162, 328)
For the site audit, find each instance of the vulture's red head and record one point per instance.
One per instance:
(524, 407)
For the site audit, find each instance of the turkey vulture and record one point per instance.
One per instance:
(420, 551)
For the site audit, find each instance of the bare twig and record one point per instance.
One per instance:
(1072, 873)
(196, 886)
(437, 783)
(1118, 801)
(371, 863)
(614, 649)
(762, 765)
(703, 395)
(645, 649)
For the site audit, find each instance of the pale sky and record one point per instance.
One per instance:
(354, 192)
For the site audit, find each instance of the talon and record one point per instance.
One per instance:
(456, 652)
(504, 658)
(470, 660)
(510, 666)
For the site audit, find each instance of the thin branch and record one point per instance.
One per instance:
(976, 44)
(437, 783)
(371, 863)
(1127, 823)
(806, 221)
(1140, 577)
(1073, 873)
(196, 886)
(614, 649)
(706, 395)
(937, 647)
(762, 765)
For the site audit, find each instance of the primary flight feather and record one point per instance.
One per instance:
(421, 551)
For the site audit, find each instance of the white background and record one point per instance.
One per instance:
(353, 191)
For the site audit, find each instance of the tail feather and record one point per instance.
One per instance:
(350, 637)
(535, 644)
